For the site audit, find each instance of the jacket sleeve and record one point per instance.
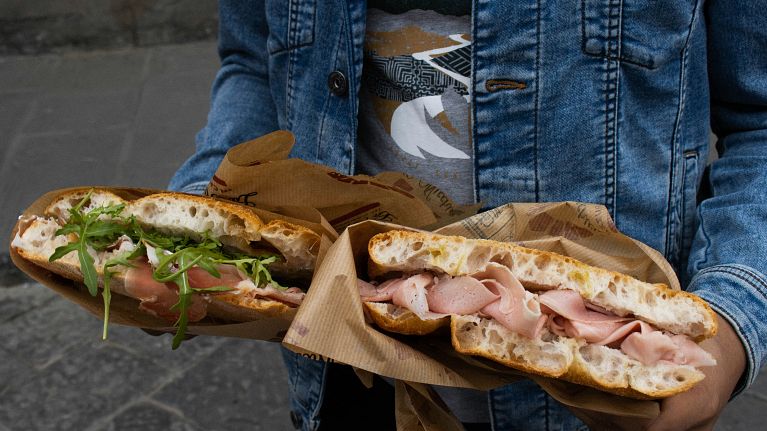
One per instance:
(728, 260)
(241, 103)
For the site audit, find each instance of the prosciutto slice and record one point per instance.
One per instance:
(235, 279)
(527, 325)
(459, 295)
(381, 293)
(291, 295)
(572, 318)
(515, 310)
(411, 294)
(652, 347)
(639, 340)
(202, 279)
(570, 304)
(518, 309)
(158, 298)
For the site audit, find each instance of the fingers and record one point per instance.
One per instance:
(696, 409)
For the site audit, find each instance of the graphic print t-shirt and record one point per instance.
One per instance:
(414, 98)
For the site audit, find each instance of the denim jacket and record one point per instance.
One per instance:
(611, 103)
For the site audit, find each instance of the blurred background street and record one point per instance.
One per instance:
(112, 93)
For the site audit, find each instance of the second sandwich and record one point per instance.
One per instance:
(540, 312)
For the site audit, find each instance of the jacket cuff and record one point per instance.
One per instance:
(197, 188)
(739, 294)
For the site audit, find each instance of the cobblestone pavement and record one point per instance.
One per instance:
(129, 118)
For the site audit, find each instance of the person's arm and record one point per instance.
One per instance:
(241, 101)
(728, 259)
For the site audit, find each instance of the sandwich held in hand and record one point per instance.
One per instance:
(540, 312)
(183, 257)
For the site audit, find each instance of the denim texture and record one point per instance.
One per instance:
(615, 109)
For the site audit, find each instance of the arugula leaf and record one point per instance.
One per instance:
(101, 228)
(63, 251)
(68, 228)
(123, 259)
(184, 300)
(107, 295)
(88, 268)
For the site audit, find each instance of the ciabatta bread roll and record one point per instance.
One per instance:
(242, 262)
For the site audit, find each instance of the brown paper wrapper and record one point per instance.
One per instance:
(124, 310)
(258, 172)
(418, 408)
(331, 322)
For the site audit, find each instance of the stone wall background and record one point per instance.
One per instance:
(43, 26)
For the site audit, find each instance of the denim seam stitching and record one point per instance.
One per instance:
(537, 99)
(675, 145)
(474, 97)
(351, 84)
(293, 18)
(289, 84)
(611, 88)
(316, 419)
(683, 206)
(616, 98)
(291, 64)
(749, 277)
(291, 40)
(707, 246)
(290, 48)
(671, 202)
(583, 27)
(196, 186)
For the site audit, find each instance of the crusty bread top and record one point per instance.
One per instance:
(670, 310)
(191, 215)
(60, 206)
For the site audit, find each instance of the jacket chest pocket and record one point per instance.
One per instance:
(647, 33)
(291, 24)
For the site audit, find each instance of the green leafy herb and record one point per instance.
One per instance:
(184, 300)
(124, 260)
(100, 228)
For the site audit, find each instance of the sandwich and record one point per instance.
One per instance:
(182, 257)
(539, 312)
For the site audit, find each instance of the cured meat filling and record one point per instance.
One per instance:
(494, 292)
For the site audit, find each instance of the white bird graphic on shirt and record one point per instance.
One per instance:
(409, 128)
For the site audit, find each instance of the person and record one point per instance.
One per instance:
(519, 101)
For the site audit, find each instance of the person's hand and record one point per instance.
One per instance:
(694, 410)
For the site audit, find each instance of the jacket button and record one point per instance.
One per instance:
(337, 83)
(296, 419)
